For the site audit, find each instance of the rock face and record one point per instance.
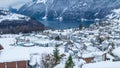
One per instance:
(69, 9)
(16, 23)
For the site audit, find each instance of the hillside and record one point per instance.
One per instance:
(15, 23)
(68, 9)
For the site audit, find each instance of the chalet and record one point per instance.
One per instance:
(15, 64)
(94, 57)
(88, 58)
(100, 56)
(13, 58)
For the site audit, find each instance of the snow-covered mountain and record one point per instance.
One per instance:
(6, 15)
(15, 23)
(69, 9)
(115, 15)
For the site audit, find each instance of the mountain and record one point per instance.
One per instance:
(69, 9)
(114, 17)
(15, 23)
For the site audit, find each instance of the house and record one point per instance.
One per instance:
(100, 56)
(94, 57)
(88, 58)
(15, 64)
(14, 58)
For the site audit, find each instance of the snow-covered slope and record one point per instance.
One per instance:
(115, 15)
(41, 1)
(6, 15)
(15, 23)
(69, 9)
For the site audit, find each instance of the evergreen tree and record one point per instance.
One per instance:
(100, 40)
(69, 63)
(57, 38)
(113, 45)
(80, 26)
(56, 55)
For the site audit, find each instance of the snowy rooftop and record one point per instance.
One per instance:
(15, 54)
(106, 64)
(18, 53)
(23, 53)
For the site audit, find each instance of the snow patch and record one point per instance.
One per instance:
(106, 64)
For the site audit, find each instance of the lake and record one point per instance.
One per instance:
(56, 24)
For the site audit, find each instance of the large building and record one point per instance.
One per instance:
(13, 58)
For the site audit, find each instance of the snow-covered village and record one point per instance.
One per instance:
(60, 34)
(95, 47)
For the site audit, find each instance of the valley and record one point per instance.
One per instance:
(60, 34)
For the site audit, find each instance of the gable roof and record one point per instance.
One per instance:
(14, 54)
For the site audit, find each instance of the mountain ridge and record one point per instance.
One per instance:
(69, 9)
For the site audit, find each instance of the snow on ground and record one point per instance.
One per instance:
(23, 53)
(106, 64)
(115, 16)
(7, 39)
(18, 53)
(116, 11)
(62, 65)
(43, 41)
(13, 16)
(88, 46)
(116, 52)
(5, 42)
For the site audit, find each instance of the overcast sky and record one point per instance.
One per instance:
(7, 3)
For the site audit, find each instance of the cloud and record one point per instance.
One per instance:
(7, 3)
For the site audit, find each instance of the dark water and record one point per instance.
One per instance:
(56, 24)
